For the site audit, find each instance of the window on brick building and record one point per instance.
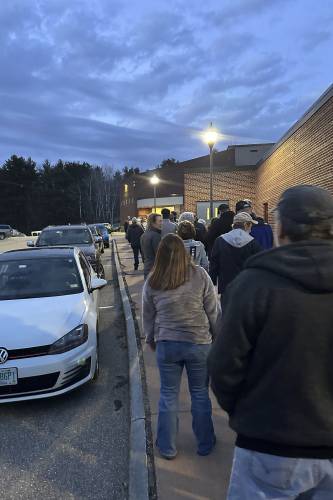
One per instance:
(265, 212)
(125, 188)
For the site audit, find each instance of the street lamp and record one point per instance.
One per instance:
(210, 138)
(154, 181)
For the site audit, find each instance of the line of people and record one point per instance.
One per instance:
(267, 356)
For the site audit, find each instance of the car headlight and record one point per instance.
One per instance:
(71, 340)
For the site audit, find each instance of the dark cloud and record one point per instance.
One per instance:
(113, 83)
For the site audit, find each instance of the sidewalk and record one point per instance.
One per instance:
(188, 477)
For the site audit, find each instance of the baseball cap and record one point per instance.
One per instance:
(244, 217)
(240, 205)
(306, 204)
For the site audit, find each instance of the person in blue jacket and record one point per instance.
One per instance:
(263, 234)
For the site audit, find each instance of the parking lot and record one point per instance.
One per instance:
(73, 446)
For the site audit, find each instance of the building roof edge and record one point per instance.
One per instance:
(326, 96)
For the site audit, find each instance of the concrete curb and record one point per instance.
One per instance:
(138, 488)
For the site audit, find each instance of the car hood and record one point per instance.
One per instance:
(40, 321)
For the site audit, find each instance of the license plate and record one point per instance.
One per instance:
(8, 376)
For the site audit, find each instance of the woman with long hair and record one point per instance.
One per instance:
(181, 316)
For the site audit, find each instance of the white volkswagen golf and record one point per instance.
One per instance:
(48, 322)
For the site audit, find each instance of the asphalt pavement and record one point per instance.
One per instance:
(73, 446)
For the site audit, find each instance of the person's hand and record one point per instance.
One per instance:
(152, 346)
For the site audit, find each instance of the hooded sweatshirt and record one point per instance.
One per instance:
(229, 254)
(271, 366)
(198, 253)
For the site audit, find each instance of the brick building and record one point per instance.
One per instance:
(304, 155)
(137, 194)
(137, 191)
(260, 172)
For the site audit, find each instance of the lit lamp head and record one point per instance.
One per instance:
(210, 137)
(154, 180)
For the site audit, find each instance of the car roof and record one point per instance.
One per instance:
(62, 228)
(35, 253)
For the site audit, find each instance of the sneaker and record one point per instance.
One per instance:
(167, 457)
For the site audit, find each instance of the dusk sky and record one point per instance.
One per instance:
(132, 83)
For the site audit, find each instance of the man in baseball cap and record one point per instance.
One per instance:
(271, 366)
(231, 250)
(243, 206)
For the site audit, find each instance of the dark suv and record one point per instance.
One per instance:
(73, 236)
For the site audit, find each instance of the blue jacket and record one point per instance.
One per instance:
(263, 234)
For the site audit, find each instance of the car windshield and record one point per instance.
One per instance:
(75, 236)
(39, 277)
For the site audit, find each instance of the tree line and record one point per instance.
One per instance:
(33, 197)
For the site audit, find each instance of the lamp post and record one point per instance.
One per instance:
(154, 181)
(210, 138)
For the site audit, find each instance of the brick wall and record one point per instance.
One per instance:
(306, 157)
(233, 186)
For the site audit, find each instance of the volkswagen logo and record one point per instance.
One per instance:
(3, 355)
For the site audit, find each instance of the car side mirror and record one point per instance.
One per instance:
(97, 283)
(30, 243)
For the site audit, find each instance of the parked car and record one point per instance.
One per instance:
(78, 235)
(49, 322)
(97, 236)
(5, 231)
(105, 234)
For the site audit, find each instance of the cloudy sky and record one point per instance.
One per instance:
(130, 83)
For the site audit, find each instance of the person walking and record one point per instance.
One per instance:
(150, 240)
(220, 225)
(126, 224)
(244, 206)
(263, 234)
(271, 365)
(231, 250)
(173, 216)
(200, 230)
(182, 335)
(134, 233)
(196, 249)
(167, 225)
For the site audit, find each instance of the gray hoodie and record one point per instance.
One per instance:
(168, 227)
(198, 253)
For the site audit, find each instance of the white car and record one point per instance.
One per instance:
(48, 322)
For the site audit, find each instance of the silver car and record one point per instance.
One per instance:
(77, 235)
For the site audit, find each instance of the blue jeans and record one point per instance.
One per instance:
(172, 357)
(258, 476)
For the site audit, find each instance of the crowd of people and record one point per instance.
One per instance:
(264, 345)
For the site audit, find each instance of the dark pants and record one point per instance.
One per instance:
(136, 250)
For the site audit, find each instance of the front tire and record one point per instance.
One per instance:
(97, 369)
(2, 236)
